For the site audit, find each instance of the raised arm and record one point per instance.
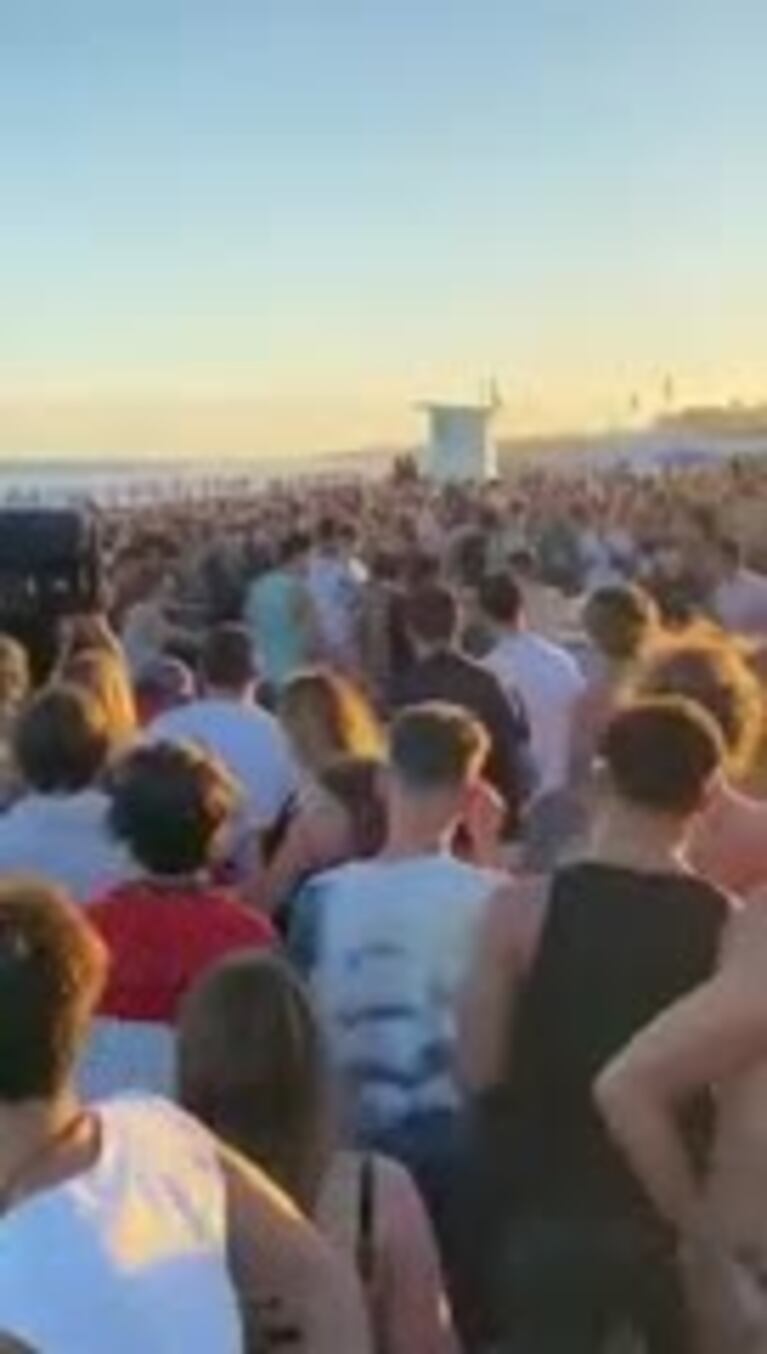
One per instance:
(715, 1034)
(293, 1288)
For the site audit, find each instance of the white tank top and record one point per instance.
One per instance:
(130, 1256)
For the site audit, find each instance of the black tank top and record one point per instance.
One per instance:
(617, 948)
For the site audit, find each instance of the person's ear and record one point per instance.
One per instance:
(466, 798)
(711, 791)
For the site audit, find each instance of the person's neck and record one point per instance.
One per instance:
(192, 881)
(616, 669)
(645, 842)
(416, 834)
(233, 695)
(442, 646)
(28, 1127)
(510, 632)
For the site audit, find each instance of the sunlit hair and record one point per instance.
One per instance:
(52, 971)
(712, 669)
(437, 747)
(15, 682)
(252, 1066)
(621, 621)
(104, 676)
(326, 716)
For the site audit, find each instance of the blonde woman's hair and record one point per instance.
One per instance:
(104, 676)
(326, 717)
(15, 679)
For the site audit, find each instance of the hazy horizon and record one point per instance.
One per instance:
(271, 228)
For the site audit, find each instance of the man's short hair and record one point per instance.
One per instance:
(52, 972)
(431, 614)
(227, 658)
(165, 679)
(662, 753)
(62, 740)
(620, 618)
(500, 597)
(169, 802)
(294, 546)
(437, 746)
(712, 670)
(328, 530)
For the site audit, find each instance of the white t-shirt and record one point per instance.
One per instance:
(248, 740)
(130, 1256)
(144, 635)
(336, 586)
(66, 839)
(549, 682)
(387, 944)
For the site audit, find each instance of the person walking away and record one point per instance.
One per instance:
(622, 624)
(441, 671)
(739, 596)
(252, 1066)
(171, 808)
(58, 827)
(125, 1225)
(337, 580)
(280, 616)
(386, 944)
(729, 843)
(560, 982)
(227, 720)
(147, 631)
(545, 676)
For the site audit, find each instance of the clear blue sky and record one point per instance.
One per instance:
(302, 214)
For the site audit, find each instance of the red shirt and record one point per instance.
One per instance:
(161, 938)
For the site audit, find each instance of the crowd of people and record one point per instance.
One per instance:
(383, 906)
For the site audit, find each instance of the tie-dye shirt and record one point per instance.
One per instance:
(386, 944)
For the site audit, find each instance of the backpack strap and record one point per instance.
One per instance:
(366, 1220)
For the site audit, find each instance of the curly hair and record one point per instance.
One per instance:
(710, 668)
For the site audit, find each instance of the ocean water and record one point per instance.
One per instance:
(122, 483)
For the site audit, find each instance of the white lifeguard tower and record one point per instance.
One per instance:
(461, 445)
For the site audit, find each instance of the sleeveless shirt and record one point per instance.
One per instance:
(130, 1255)
(618, 947)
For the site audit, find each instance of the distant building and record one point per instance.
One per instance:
(461, 445)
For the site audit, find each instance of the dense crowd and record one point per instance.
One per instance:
(383, 926)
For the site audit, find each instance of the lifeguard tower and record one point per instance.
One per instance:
(461, 445)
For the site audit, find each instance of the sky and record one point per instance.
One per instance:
(266, 226)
